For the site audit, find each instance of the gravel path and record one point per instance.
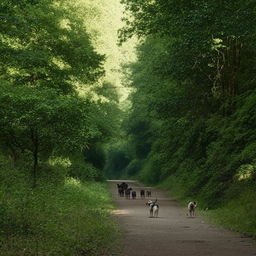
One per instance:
(172, 233)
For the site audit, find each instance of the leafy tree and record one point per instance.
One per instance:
(209, 38)
(192, 80)
(50, 74)
(45, 44)
(43, 123)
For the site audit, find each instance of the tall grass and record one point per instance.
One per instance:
(61, 216)
(236, 212)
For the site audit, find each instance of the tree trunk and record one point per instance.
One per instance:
(35, 167)
(34, 138)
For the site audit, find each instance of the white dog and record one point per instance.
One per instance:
(153, 208)
(191, 208)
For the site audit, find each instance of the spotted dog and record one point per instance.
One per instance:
(191, 208)
(153, 208)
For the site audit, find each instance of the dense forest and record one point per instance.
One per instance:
(66, 124)
(58, 111)
(192, 120)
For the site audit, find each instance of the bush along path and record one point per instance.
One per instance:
(173, 232)
(61, 217)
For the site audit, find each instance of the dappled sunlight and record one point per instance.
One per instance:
(60, 63)
(65, 24)
(61, 161)
(245, 172)
(120, 212)
(73, 182)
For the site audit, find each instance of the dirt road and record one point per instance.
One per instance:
(172, 233)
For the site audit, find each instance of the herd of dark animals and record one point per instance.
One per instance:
(124, 190)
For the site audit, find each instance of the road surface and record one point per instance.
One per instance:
(172, 233)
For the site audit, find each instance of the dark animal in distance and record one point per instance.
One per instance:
(128, 193)
(148, 193)
(142, 193)
(121, 188)
(124, 185)
(133, 194)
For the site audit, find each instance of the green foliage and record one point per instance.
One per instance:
(208, 42)
(192, 117)
(96, 155)
(85, 171)
(133, 168)
(117, 160)
(240, 201)
(45, 44)
(57, 113)
(52, 100)
(62, 216)
(45, 114)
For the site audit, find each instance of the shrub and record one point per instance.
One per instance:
(58, 217)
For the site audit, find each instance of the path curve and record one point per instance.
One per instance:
(173, 233)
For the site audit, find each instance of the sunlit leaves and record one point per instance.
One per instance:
(43, 34)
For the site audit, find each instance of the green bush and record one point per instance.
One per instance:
(133, 168)
(238, 212)
(65, 217)
(85, 171)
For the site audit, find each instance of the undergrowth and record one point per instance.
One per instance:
(61, 216)
(237, 211)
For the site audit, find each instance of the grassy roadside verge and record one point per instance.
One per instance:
(236, 212)
(59, 217)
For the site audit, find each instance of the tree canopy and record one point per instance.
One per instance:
(52, 75)
(193, 78)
